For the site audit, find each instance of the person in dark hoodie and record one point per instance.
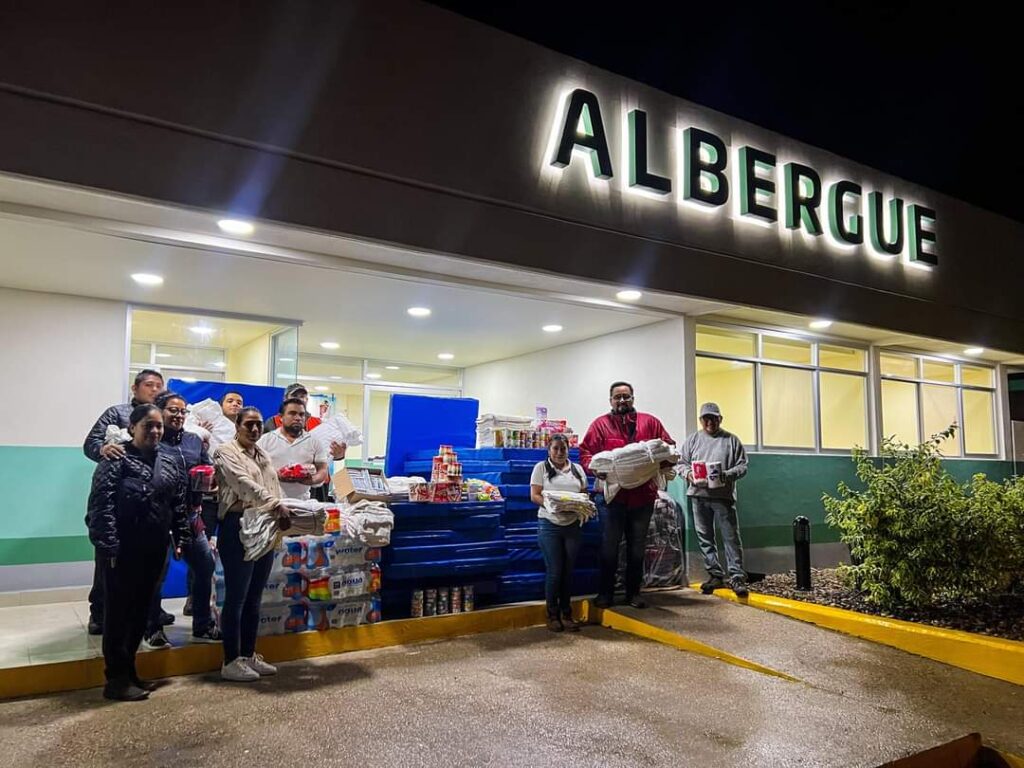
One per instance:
(148, 384)
(137, 505)
(188, 449)
(630, 513)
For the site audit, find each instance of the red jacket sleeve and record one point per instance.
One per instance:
(592, 443)
(659, 428)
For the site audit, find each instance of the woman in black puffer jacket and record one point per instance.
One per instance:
(137, 502)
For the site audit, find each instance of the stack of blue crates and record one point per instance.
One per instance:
(524, 579)
(517, 573)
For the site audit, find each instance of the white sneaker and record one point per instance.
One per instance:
(238, 671)
(259, 666)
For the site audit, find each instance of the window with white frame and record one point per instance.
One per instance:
(179, 361)
(922, 395)
(781, 391)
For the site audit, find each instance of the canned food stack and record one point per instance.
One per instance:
(445, 479)
(442, 601)
(317, 583)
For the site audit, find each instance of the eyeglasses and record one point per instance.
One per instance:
(252, 425)
(622, 398)
(176, 411)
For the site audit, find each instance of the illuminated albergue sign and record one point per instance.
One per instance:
(789, 195)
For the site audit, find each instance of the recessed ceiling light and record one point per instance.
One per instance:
(334, 378)
(551, 328)
(446, 356)
(974, 351)
(392, 367)
(235, 227)
(373, 375)
(220, 364)
(628, 295)
(164, 354)
(202, 330)
(321, 388)
(144, 278)
(419, 311)
(286, 359)
(819, 325)
(329, 344)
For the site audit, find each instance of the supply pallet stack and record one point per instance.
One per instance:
(440, 546)
(524, 579)
(521, 572)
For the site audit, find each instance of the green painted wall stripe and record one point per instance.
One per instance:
(43, 491)
(46, 549)
(43, 494)
(1017, 383)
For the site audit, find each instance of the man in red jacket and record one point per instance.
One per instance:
(630, 511)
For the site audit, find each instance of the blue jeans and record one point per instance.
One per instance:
(560, 545)
(618, 521)
(199, 558)
(721, 513)
(244, 582)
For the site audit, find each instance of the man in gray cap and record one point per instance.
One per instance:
(712, 461)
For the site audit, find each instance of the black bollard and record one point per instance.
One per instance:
(802, 551)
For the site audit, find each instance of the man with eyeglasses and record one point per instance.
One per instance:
(147, 385)
(629, 514)
(714, 502)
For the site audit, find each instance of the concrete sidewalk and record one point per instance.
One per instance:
(530, 697)
(949, 700)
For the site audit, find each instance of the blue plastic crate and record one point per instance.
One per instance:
(505, 478)
(411, 510)
(514, 516)
(519, 505)
(445, 569)
(522, 541)
(515, 492)
(430, 537)
(443, 552)
(491, 522)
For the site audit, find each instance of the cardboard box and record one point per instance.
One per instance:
(361, 485)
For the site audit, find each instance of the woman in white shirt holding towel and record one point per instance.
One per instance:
(559, 534)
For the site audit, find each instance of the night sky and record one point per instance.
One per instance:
(928, 95)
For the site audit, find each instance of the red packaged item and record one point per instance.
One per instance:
(294, 472)
(438, 493)
(699, 470)
(201, 478)
(375, 575)
(333, 522)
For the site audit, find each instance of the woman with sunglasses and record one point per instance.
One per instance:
(190, 451)
(246, 478)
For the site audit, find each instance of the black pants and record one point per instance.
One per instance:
(96, 593)
(616, 521)
(129, 587)
(155, 608)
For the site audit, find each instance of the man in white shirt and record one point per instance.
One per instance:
(290, 444)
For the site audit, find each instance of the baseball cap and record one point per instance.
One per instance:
(710, 409)
(293, 388)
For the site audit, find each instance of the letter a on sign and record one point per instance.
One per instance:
(583, 129)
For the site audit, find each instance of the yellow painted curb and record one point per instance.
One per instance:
(989, 656)
(38, 679)
(614, 620)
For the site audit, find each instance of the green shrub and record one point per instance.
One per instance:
(916, 536)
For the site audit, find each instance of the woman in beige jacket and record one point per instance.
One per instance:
(246, 479)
